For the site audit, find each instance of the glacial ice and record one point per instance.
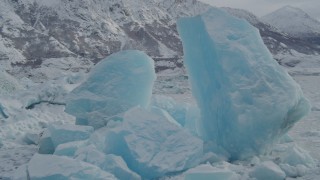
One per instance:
(117, 83)
(268, 170)
(31, 138)
(293, 160)
(151, 144)
(55, 135)
(185, 114)
(247, 100)
(295, 156)
(110, 163)
(69, 149)
(208, 172)
(177, 110)
(52, 167)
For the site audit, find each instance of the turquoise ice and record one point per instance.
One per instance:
(55, 135)
(247, 100)
(151, 144)
(119, 82)
(52, 167)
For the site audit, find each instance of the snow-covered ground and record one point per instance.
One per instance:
(306, 133)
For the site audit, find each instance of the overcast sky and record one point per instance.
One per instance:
(263, 7)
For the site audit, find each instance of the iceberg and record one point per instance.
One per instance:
(247, 100)
(116, 84)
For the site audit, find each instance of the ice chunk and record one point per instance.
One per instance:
(117, 83)
(207, 172)
(110, 163)
(45, 143)
(294, 161)
(151, 145)
(295, 156)
(59, 134)
(56, 167)
(177, 110)
(294, 171)
(285, 139)
(69, 149)
(185, 114)
(268, 170)
(20, 173)
(31, 138)
(246, 99)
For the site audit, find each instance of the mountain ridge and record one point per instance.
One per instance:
(295, 22)
(37, 37)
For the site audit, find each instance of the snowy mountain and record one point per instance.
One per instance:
(275, 39)
(295, 22)
(39, 33)
(43, 39)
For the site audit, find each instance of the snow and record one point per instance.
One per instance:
(293, 21)
(307, 133)
(268, 170)
(32, 108)
(117, 83)
(13, 157)
(8, 84)
(247, 100)
(243, 14)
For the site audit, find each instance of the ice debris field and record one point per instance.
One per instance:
(245, 105)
